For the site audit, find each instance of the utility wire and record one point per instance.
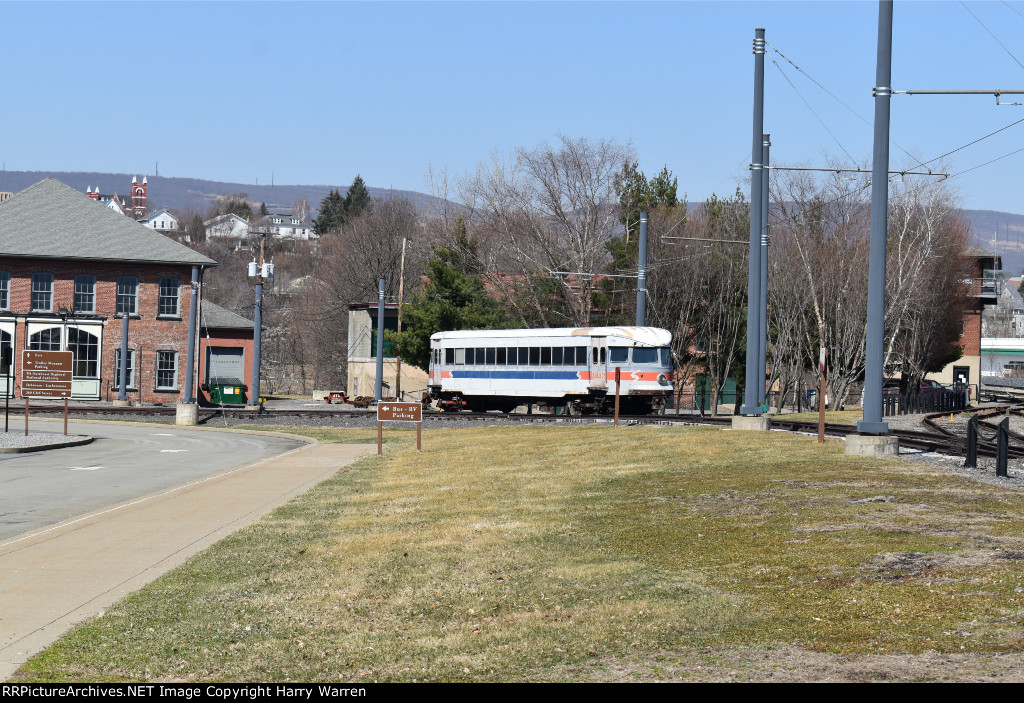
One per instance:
(990, 134)
(992, 35)
(825, 126)
(1012, 8)
(833, 96)
(988, 162)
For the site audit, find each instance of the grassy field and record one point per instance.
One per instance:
(589, 554)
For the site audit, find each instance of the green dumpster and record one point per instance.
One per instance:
(226, 391)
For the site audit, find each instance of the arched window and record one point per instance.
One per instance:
(85, 351)
(45, 340)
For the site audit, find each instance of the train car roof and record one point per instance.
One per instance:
(654, 336)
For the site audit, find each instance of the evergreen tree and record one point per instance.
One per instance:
(263, 210)
(356, 200)
(331, 209)
(451, 299)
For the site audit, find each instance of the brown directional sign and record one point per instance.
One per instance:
(409, 412)
(46, 374)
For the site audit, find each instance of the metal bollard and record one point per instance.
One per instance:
(1002, 446)
(972, 443)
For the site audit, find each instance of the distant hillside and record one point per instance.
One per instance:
(183, 192)
(1001, 232)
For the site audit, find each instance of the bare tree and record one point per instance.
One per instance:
(549, 212)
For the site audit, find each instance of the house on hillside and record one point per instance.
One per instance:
(229, 226)
(70, 271)
(162, 221)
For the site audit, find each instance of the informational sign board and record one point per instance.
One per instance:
(46, 374)
(398, 412)
(408, 412)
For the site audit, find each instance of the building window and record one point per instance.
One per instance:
(85, 293)
(127, 295)
(45, 340)
(85, 351)
(117, 368)
(42, 292)
(167, 370)
(167, 304)
(5, 290)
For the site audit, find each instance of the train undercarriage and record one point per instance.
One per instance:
(591, 404)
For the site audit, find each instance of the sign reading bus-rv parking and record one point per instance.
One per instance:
(46, 374)
(398, 412)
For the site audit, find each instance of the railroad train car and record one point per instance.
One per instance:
(569, 370)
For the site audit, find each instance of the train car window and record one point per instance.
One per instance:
(501, 356)
(619, 354)
(666, 356)
(581, 356)
(470, 356)
(490, 356)
(460, 356)
(556, 356)
(603, 352)
(524, 356)
(595, 355)
(449, 355)
(645, 355)
(534, 356)
(481, 356)
(511, 356)
(545, 356)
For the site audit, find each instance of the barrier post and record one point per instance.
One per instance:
(972, 444)
(1002, 446)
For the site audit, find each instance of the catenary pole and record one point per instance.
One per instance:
(257, 329)
(872, 422)
(762, 308)
(122, 393)
(754, 385)
(641, 277)
(190, 355)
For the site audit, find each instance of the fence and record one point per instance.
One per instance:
(933, 401)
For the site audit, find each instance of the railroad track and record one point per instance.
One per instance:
(940, 439)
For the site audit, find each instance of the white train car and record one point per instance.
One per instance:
(568, 370)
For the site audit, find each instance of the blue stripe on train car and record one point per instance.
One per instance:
(531, 375)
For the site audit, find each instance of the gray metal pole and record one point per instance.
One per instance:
(379, 386)
(122, 393)
(762, 308)
(872, 422)
(257, 338)
(754, 385)
(190, 355)
(641, 278)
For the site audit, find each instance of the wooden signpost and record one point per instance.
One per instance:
(398, 412)
(46, 374)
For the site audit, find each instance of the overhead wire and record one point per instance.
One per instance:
(992, 34)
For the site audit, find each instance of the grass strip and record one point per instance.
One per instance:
(583, 553)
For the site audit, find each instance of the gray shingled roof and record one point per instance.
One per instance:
(53, 221)
(217, 318)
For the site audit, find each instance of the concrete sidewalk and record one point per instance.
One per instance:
(54, 578)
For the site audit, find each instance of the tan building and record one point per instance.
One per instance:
(362, 356)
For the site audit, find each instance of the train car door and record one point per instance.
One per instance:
(435, 364)
(598, 362)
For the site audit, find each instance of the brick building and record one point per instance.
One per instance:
(70, 268)
(985, 286)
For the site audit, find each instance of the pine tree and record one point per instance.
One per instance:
(356, 200)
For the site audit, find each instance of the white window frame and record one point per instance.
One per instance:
(133, 297)
(160, 356)
(92, 292)
(48, 291)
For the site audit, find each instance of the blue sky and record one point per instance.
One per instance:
(314, 93)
